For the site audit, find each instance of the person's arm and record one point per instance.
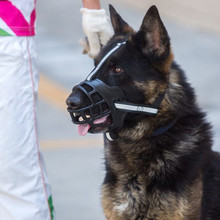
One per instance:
(96, 26)
(91, 4)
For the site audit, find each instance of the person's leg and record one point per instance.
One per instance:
(24, 187)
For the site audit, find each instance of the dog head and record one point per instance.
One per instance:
(137, 71)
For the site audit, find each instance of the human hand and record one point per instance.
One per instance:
(98, 29)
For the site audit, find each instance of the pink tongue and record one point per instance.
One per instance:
(84, 128)
(100, 120)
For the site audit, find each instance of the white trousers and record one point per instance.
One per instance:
(24, 187)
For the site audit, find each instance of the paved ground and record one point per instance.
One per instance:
(75, 164)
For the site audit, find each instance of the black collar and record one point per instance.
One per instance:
(165, 128)
(111, 136)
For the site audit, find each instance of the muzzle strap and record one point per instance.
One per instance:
(107, 105)
(130, 107)
(95, 70)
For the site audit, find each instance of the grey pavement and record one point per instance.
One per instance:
(76, 170)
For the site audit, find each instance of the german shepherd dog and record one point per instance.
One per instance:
(158, 166)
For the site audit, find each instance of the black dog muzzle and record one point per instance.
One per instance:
(107, 101)
(102, 98)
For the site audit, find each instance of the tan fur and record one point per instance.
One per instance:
(151, 89)
(165, 66)
(118, 205)
(174, 77)
(142, 170)
(108, 208)
(137, 132)
(128, 30)
(194, 197)
(168, 62)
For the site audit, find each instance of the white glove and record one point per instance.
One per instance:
(98, 29)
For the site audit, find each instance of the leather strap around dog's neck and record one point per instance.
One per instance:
(111, 136)
(165, 128)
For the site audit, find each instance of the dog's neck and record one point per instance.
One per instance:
(111, 136)
(168, 112)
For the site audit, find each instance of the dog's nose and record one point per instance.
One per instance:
(73, 101)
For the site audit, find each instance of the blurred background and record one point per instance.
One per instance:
(75, 164)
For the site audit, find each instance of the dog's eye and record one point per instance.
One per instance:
(117, 70)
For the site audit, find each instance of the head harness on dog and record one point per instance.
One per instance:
(107, 100)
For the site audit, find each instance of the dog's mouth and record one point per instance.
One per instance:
(91, 123)
(99, 125)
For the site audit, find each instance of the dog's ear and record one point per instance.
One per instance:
(119, 25)
(154, 34)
